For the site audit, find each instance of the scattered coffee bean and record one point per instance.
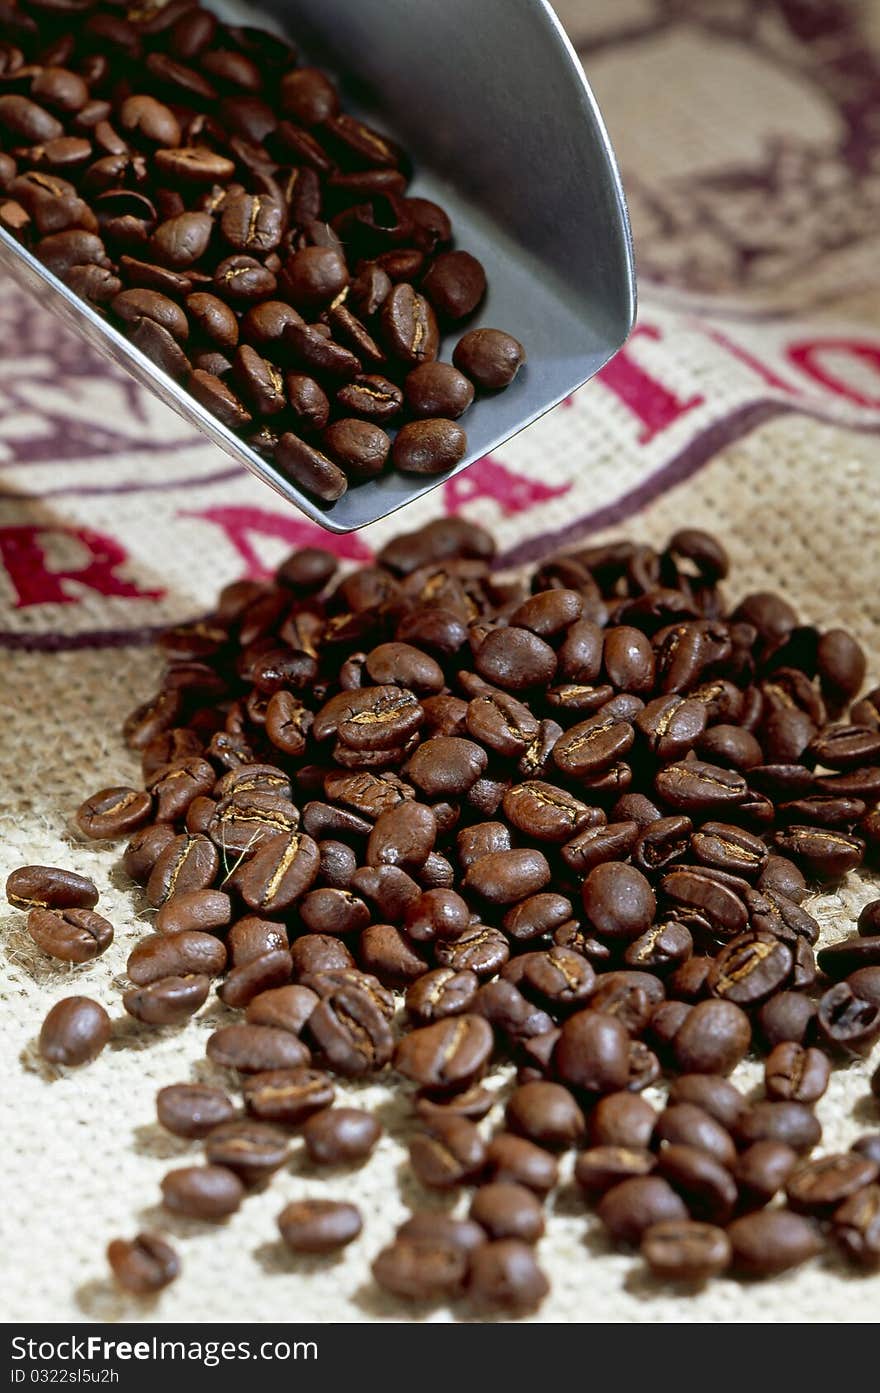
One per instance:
(74, 1032)
(318, 1226)
(144, 1264)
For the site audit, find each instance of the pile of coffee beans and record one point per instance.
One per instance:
(428, 820)
(191, 181)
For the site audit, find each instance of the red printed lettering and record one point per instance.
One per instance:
(645, 396)
(242, 525)
(810, 355)
(36, 582)
(489, 478)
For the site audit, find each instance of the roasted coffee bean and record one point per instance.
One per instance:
(825, 854)
(455, 284)
(592, 1052)
(187, 953)
(504, 1275)
(856, 1227)
(193, 1110)
(819, 1187)
(287, 1096)
(188, 862)
(602, 1168)
(319, 1225)
(351, 1032)
(48, 887)
(503, 877)
(847, 1021)
(428, 1268)
(685, 1251)
(701, 900)
(72, 935)
(622, 1119)
(205, 910)
(202, 1192)
(592, 746)
(849, 955)
(437, 389)
(506, 1210)
(771, 1241)
(868, 922)
(168, 1001)
(309, 468)
(429, 446)
(762, 1170)
(546, 812)
(385, 950)
(727, 848)
(278, 874)
(618, 901)
(446, 766)
(74, 1032)
(256, 1049)
(113, 812)
(750, 968)
(792, 1073)
(628, 1209)
(713, 1038)
(450, 1152)
(250, 979)
(787, 1016)
(661, 949)
(695, 786)
(795, 1124)
(143, 1265)
(489, 357)
(545, 1113)
(447, 1055)
(687, 1124)
(706, 1186)
(253, 1150)
(340, 1136)
(516, 1160)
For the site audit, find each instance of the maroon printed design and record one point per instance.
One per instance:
(757, 222)
(62, 400)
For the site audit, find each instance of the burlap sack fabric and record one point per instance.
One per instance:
(748, 400)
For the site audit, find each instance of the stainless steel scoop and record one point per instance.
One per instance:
(489, 98)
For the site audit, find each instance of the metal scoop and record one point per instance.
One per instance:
(489, 99)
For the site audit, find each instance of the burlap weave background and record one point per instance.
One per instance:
(748, 400)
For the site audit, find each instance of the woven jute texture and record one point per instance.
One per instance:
(747, 401)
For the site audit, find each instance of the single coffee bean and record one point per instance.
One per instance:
(622, 1119)
(429, 446)
(113, 812)
(750, 968)
(168, 1001)
(838, 960)
(762, 1170)
(173, 955)
(516, 1160)
(695, 786)
(49, 887)
(253, 1150)
(771, 1241)
(437, 389)
(144, 1264)
(713, 1038)
(635, 1205)
(504, 1275)
(447, 1055)
(318, 1226)
(351, 1032)
(856, 1227)
(429, 1268)
(819, 1187)
(449, 1152)
(706, 1186)
(74, 1032)
(202, 1192)
(193, 1110)
(361, 448)
(341, 1136)
(685, 1251)
(508, 1211)
(603, 1167)
(188, 862)
(545, 1113)
(795, 1124)
(687, 1124)
(489, 357)
(792, 1073)
(72, 935)
(592, 1052)
(205, 910)
(618, 901)
(287, 1096)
